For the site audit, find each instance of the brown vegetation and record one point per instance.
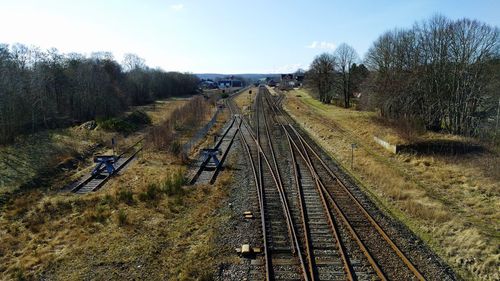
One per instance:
(144, 224)
(188, 117)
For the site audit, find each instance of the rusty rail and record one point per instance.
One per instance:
(372, 221)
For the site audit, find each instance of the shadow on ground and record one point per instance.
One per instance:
(442, 147)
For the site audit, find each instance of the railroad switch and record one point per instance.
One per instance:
(248, 215)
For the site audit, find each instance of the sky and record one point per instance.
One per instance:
(221, 36)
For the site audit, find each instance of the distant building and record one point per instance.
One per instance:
(208, 84)
(287, 81)
(230, 84)
(299, 77)
(271, 83)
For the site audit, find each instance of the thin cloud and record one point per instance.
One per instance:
(288, 68)
(177, 7)
(321, 45)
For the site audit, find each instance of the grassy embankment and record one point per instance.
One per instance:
(452, 202)
(33, 158)
(142, 225)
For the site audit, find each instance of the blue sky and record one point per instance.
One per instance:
(222, 36)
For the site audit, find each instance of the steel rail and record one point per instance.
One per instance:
(284, 202)
(340, 247)
(258, 185)
(372, 221)
(219, 166)
(341, 250)
(261, 155)
(267, 255)
(310, 260)
(205, 162)
(344, 219)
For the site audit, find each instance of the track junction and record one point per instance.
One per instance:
(313, 225)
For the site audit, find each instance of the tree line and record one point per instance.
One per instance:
(46, 89)
(336, 76)
(440, 75)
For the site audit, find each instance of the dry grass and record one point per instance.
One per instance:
(208, 141)
(108, 236)
(245, 100)
(452, 202)
(141, 226)
(160, 110)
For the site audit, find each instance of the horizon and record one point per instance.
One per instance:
(203, 38)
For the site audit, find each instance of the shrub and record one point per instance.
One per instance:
(160, 137)
(138, 117)
(126, 125)
(116, 125)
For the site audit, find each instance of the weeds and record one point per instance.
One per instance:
(19, 274)
(126, 196)
(99, 215)
(151, 193)
(122, 217)
(107, 200)
(176, 147)
(173, 185)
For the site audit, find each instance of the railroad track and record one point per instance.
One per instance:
(313, 227)
(206, 175)
(95, 182)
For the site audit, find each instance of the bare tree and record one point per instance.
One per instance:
(133, 61)
(47, 89)
(436, 73)
(321, 76)
(345, 56)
